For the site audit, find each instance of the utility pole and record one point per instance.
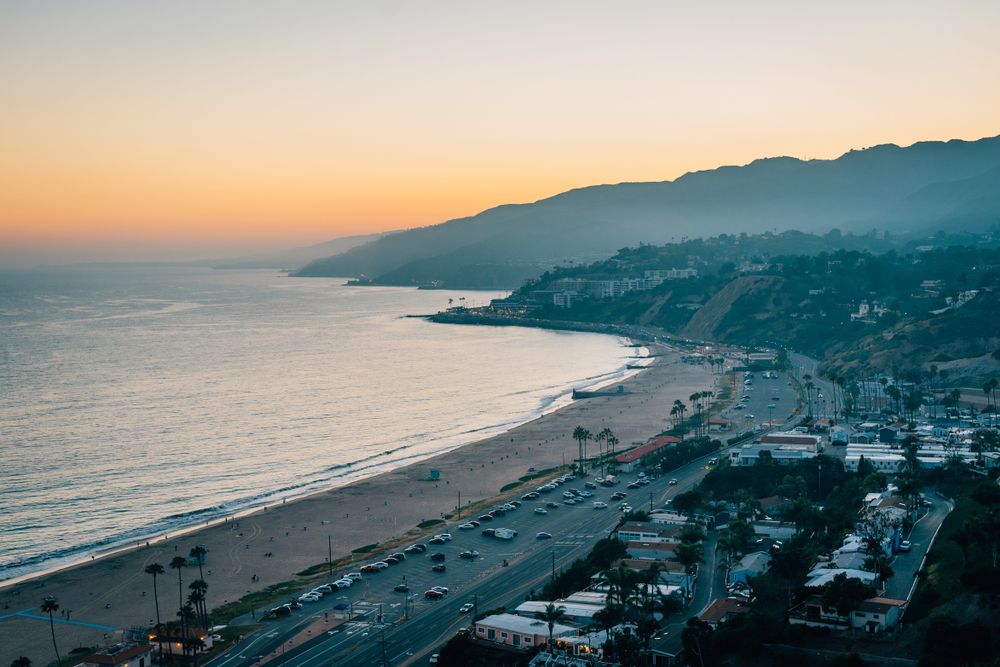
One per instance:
(650, 501)
(329, 554)
(385, 654)
(459, 504)
(553, 566)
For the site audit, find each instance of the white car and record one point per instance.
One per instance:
(466, 526)
(324, 589)
(309, 597)
(541, 510)
(382, 565)
(444, 536)
(598, 505)
(345, 582)
(466, 608)
(353, 576)
(626, 508)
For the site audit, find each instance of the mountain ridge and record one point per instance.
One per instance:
(860, 189)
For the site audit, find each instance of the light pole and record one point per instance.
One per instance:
(770, 416)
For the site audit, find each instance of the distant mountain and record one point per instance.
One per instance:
(913, 189)
(293, 258)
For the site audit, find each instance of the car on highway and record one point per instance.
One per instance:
(541, 510)
(432, 594)
(625, 508)
(619, 495)
(401, 588)
(672, 482)
(434, 658)
(440, 567)
(472, 554)
(438, 557)
(443, 590)
(633, 485)
(543, 536)
(598, 505)
(466, 608)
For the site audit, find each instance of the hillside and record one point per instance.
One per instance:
(915, 189)
(293, 258)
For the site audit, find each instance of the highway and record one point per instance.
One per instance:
(402, 640)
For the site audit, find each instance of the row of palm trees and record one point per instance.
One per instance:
(698, 405)
(193, 610)
(583, 436)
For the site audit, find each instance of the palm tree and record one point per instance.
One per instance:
(581, 435)
(155, 569)
(187, 616)
(552, 615)
(178, 564)
(21, 662)
(200, 587)
(49, 606)
(689, 555)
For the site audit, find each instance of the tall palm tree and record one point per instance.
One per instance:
(200, 586)
(551, 615)
(49, 606)
(196, 599)
(21, 662)
(155, 569)
(581, 435)
(178, 564)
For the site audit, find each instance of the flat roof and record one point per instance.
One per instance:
(525, 625)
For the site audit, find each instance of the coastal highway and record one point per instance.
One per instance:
(399, 640)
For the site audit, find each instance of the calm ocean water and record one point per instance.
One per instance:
(137, 400)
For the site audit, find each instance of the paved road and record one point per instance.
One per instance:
(360, 642)
(905, 565)
(753, 413)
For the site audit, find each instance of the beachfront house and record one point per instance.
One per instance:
(519, 631)
(120, 655)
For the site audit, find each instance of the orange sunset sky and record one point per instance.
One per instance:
(178, 130)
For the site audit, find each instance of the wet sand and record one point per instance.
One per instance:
(113, 591)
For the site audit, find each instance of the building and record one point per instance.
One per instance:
(519, 631)
(628, 461)
(783, 454)
(825, 575)
(580, 613)
(723, 609)
(752, 565)
(719, 424)
(660, 275)
(121, 655)
(646, 531)
(651, 550)
(878, 614)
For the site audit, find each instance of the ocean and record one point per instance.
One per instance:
(137, 400)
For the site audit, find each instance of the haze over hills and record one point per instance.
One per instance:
(292, 258)
(913, 189)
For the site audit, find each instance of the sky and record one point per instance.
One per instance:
(178, 130)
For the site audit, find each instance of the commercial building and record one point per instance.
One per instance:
(518, 631)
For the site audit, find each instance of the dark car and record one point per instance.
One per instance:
(415, 549)
(498, 511)
(437, 557)
(633, 485)
(279, 612)
(439, 567)
(486, 517)
(469, 555)
(436, 540)
(489, 532)
(433, 595)
(401, 588)
(398, 556)
(392, 560)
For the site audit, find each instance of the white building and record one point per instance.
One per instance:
(519, 631)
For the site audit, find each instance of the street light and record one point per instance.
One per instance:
(770, 415)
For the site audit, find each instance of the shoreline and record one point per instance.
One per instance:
(91, 553)
(112, 590)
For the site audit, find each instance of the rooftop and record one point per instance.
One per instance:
(722, 608)
(117, 654)
(526, 625)
(648, 448)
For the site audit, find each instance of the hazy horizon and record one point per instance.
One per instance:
(181, 132)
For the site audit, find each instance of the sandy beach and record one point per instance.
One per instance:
(113, 592)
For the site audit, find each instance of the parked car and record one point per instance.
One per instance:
(437, 557)
(904, 545)
(489, 532)
(598, 505)
(392, 560)
(541, 510)
(401, 588)
(469, 555)
(354, 576)
(569, 501)
(543, 536)
(438, 568)
(436, 540)
(466, 526)
(552, 505)
(344, 583)
(486, 517)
